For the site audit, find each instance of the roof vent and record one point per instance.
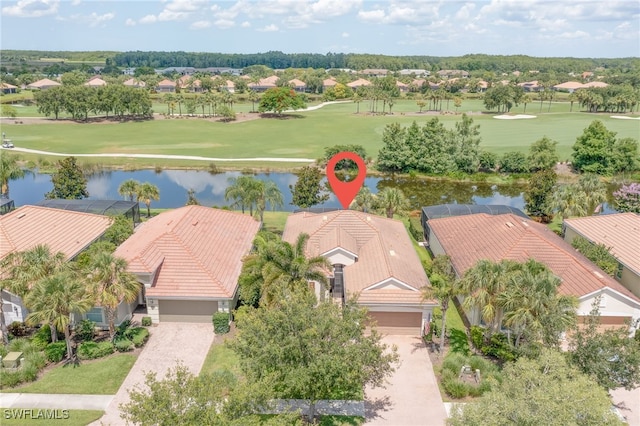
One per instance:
(194, 223)
(525, 223)
(368, 218)
(597, 274)
(324, 218)
(392, 252)
(21, 215)
(509, 225)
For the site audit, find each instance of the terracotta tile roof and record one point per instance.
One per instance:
(329, 82)
(596, 84)
(63, 231)
(196, 250)
(7, 86)
(569, 85)
(166, 82)
(387, 270)
(620, 232)
(359, 82)
(45, 82)
(297, 83)
(468, 239)
(134, 83)
(95, 82)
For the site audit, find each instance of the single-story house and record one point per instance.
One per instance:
(63, 231)
(166, 86)
(402, 86)
(453, 73)
(134, 82)
(470, 238)
(8, 88)
(414, 72)
(264, 84)
(359, 83)
(43, 84)
(298, 85)
(223, 84)
(530, 86)
(374, 72)
(373, 259)
(189, 260)
(620, 232)
(328, 83)
(96, 82)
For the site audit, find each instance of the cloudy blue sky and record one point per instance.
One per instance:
(578, 28)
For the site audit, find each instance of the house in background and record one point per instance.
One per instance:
(96, 82)
(189, 260)
(134, 82)
(470, 238)
(63, 231)
(264, 84)
(166, 86)
(43, 84)
(621, 234)
(374, 260)
(359, 83)
(7, 88)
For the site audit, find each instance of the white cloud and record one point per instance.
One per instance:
(149, 19)
(130, 22)
(345, 35)
(373, 16)
(32, 8)
(575, 34)
(75, 2)
(269, 28)
(246, 24)
(224, 23)
(94, 19)
(200, 25)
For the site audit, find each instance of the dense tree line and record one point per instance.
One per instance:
(80, 101)
(616, 99)
(276, 59)
(431, 148)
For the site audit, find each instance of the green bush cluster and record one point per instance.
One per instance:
(456, 388)
(42, 337)
(85, 330)
(146, 321)
(93, 350)
(459, 342)
(55, 351)
(139, 336)
(497, 346)
(33, 361)
(221, 323)
(124, 345)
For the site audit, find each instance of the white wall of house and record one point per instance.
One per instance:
(14, 309)
(612, 304)
(339, 256)
(153, 309)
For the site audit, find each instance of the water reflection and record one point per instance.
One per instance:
(210, 188)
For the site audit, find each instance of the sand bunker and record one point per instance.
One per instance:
(514, 117)
(624, 117)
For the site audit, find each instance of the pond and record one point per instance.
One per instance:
(209, 188)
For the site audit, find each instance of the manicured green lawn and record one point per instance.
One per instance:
(303, 137)
(275, 221)
(100, 377)
(75, 418)
(220, 358)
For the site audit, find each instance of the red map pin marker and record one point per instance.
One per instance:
(346, 191)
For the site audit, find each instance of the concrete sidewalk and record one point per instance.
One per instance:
(55, 401)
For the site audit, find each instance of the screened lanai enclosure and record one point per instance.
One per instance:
(129, 209)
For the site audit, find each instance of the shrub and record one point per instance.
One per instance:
(93, 350)
(29, 372)
(85, 330)
(20, 345)
(477, 337)
(499, 348)
(42, 337)
(18, 329)
(9, 378)
(454, 362)
(36, 359)
(139, 336)
(221, 323)
(146, 321)
(455, 388)
(124, 345)
(3, 351)
(56, 351)
(514, 162)
(459, 342)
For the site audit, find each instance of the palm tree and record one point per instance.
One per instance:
(147, 192)
(253, 97)
(277, 268)
(180, 100)
(533, 307)
(569, 200)
(113, 284)
(392, 201)
(444, 289)
(357, 99)
(483, 284)
(525, 100)
(129, 189)
(594, 189)
(267, 192)
(363, 201)
(55, 298)
(23, 270)
(242, 190)
(9, 169)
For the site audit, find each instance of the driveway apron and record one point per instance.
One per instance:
(412, 396)
(169, 344)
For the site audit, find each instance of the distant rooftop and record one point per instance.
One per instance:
(103, 207)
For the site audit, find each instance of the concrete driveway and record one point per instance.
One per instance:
(169, 344)
(412, 396)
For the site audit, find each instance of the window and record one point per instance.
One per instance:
(95, 315)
